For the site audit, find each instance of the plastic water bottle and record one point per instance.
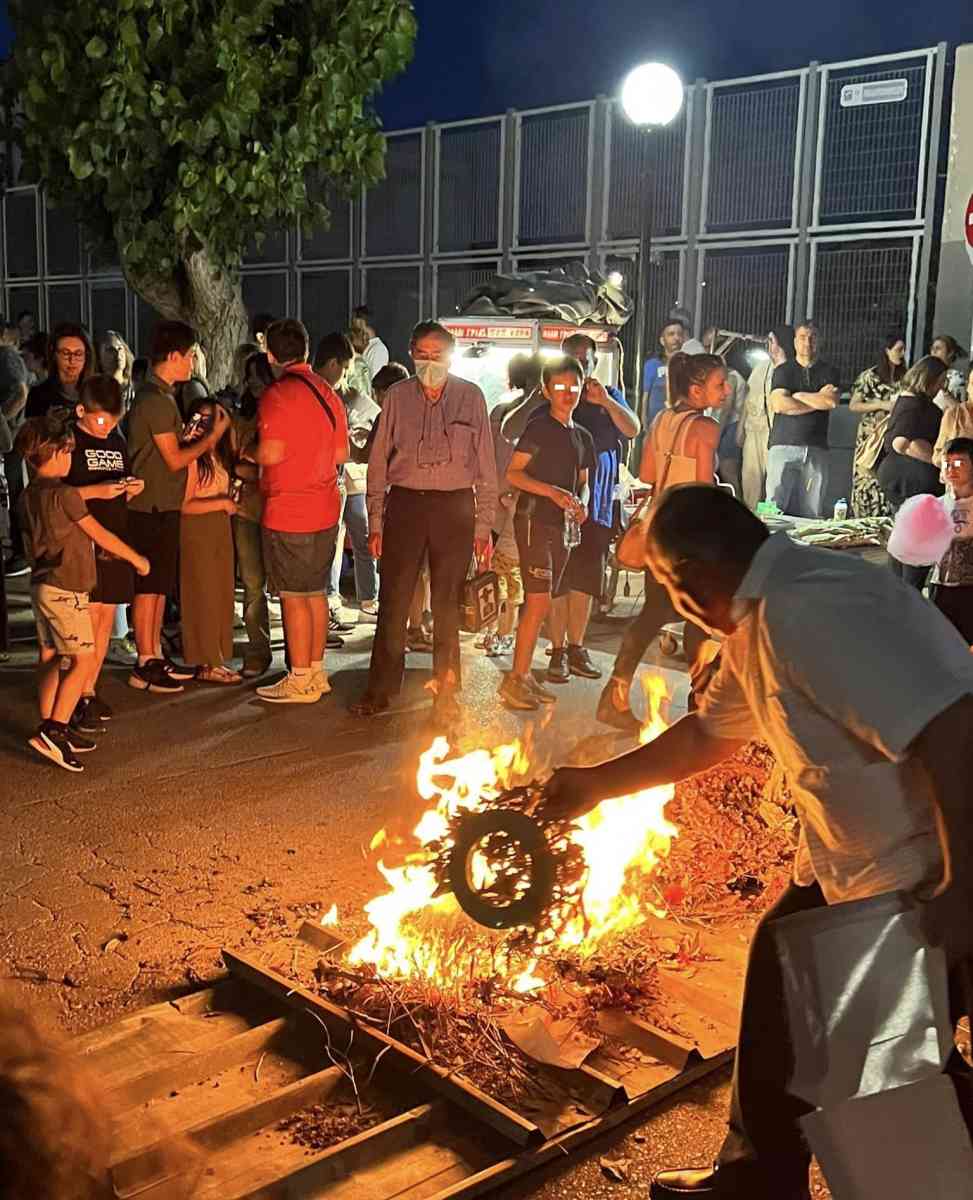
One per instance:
(841, 510)
(572, 531)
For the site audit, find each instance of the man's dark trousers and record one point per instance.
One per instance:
(441, 523)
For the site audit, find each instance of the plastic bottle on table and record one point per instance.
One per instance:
(841, 510)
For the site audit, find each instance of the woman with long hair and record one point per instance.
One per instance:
(957, 423)
(257, 377)
(947, 348)
(872, 396)
(70, 360)
(206, 577)
(907, 468)
(681, 448)
(115, 358)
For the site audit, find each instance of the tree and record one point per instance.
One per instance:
(180, 130)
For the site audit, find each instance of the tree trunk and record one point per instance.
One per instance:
(207, 297)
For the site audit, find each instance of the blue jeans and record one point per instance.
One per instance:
(354, 518)
(797, 477)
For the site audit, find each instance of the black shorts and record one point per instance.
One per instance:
(116, 579)
(298, 564)
(586, 567)
(156, 536)
(543, 556)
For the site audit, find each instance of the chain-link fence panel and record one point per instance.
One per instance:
(468, 196)
(753, 131)
(316, 244)
(266, 292)
(872, 136)
(108, 307)
(21, 256)
(393, 207)
(325, 301)
(861, 292)
(454, 282)
(394, 296)
(744, 288)
(554, 167)
(637, 161)
(64, 303)
(271, 248)
(63, 242)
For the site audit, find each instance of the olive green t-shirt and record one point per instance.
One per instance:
(154, 411)
(60, 553)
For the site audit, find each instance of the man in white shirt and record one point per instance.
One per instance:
(864, 693)
(376, 353)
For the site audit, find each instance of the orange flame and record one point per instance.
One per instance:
(622, 838)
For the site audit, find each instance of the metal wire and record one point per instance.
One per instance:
(469, 187)
(393, 297)
(324, 301)
(629, 175)
(745, 287)
(393, 208)
(553, 177)
(454, 281)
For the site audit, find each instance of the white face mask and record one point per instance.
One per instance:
(431, 374)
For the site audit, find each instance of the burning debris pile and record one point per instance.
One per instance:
(493, 1003)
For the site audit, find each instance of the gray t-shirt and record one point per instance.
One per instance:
(154, 411)
(60, 553)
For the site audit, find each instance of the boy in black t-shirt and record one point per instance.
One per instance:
(550, 469)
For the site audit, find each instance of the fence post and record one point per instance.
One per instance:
(508, 205)
(696, 133)
(805, 196)
(429, 192)
(931, 187)
(598, 168)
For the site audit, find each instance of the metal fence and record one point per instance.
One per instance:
(804, 193)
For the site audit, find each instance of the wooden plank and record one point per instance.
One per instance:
(244, 1047)
(507, 1122)
(656, 1043)
(249, 1169)
(154, 1166)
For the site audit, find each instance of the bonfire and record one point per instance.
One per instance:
(487, 1003)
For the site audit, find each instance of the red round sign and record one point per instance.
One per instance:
(969, 228)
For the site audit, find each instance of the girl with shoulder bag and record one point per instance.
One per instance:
(681, 448)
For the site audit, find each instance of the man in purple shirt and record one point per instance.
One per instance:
(432, 489)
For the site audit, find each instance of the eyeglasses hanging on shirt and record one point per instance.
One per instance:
(434, 449)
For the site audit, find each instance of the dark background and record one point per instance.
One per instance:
(482, 58)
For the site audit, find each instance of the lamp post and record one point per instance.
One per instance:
(652, 97)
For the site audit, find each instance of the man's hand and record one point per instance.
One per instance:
(375, 545)
(594, 392)
(107, 491)
(563, 499)
(568, 794)
(134, 487)
(221, 419)
(142, 565)
(580, 513)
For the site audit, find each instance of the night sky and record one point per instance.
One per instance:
(483, 58)
(476, 59)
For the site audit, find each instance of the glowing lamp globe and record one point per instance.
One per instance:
(652, 95)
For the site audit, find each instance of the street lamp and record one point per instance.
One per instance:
(652, 97)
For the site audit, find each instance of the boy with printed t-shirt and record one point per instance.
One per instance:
(550, 469)
(952, 578)
(60, 536)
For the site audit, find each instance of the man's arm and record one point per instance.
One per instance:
(485, 482)
(378, 465)
(799, 404)
(685, 749)
(622, 417)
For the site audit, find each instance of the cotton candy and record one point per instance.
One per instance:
(923, 531)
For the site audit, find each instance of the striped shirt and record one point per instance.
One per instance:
(433, 446)
(839, 666)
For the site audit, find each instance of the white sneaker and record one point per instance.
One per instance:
(119, 655)
(368, 613)
(321, 682)
(291, 690)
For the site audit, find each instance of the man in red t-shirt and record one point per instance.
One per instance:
(303, 438)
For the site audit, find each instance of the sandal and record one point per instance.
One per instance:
(217, 675)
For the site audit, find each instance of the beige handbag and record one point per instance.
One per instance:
(673, 466)
(868, 452)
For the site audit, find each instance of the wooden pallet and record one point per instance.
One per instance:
(199, 1087)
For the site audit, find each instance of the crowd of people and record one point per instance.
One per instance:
(142, 500)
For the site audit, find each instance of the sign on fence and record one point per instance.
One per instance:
(883, 91)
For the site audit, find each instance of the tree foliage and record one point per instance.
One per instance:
(184, 128)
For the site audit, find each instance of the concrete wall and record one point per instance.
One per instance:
(954, 294)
